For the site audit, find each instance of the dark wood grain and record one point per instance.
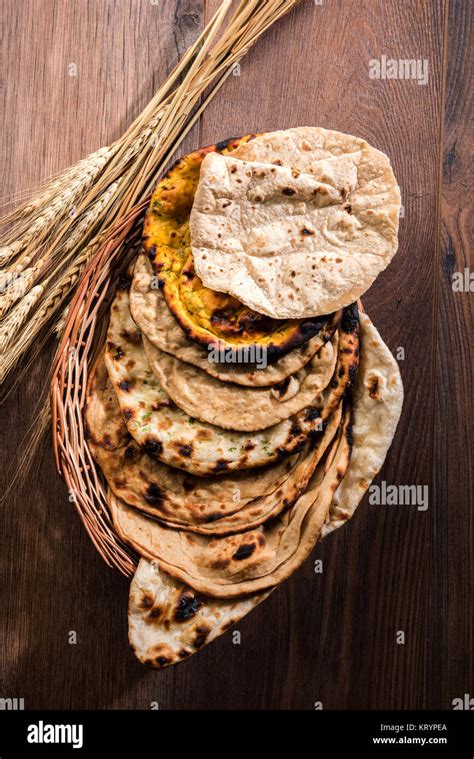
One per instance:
(452, 589)
(327, 637)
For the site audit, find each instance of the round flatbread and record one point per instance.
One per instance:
(249, 561)
(207, 316)
(241, 408)
(295, 223)
(152, 315)
(225, 504)
(169, 434)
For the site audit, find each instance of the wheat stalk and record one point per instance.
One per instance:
(49, 208)
(15, 320)
(48, 245)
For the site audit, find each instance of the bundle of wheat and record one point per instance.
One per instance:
(49, 240)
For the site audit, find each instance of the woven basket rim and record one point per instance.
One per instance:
(83, 335)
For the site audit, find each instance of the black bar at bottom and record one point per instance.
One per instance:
(365, 733)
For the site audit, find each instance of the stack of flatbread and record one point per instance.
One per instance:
(243, 401)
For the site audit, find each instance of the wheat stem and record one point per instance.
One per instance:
(47, 244)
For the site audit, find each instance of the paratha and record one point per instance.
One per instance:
(166, 636)
(169, 434)
(249, 561)
(205, 315)
(169, 622)
(295, 223)
(211, 506)
(245, 409)
(152, 315)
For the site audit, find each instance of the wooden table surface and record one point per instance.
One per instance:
(330, 637)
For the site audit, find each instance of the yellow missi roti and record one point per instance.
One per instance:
(208, 317)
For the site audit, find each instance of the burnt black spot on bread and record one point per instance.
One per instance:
(153, 447)
(223, 144)
(187, 606)
(124, 282)
(202, 633)
(131, 452)
(311, 414)
(156, 612)
(128, 414)
(106, 442)
(350, 319)
(212, 518)
(146, 601)
(295, 429)
(244, 551)
(221, 466)
(374, 388)
(352, 373)
(154, 495)
(282, 387)
(312, 327)
(184, 449)
(350, 435)
(117, 352)
(288, 191)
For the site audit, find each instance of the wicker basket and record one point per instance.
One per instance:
(83, 335)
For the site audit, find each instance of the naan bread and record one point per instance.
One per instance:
(248, 561)
(378, 397)
(378, 400)
(169, 434)
(241, 408)
(169, 622)
(152, 315)
(295, 223)
(225, 504)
